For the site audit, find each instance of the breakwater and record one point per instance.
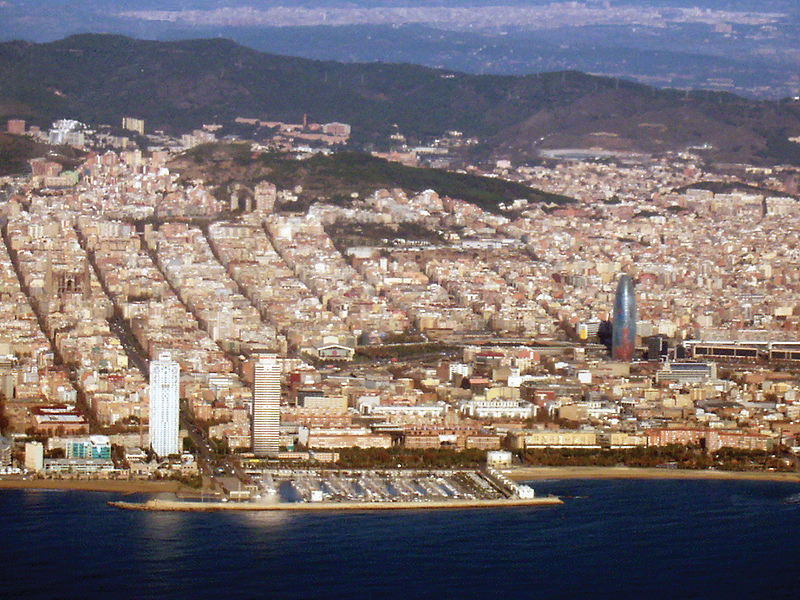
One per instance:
(181, 506)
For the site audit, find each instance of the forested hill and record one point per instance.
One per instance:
(180, 85)
(336, 177)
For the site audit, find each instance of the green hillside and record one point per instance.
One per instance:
(17, 150)
(336, 177)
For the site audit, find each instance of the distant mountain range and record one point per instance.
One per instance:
(740, 46)
(180, 85)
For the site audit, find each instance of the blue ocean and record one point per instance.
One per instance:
(611, 539)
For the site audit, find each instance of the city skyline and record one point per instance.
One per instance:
(348, 284)
(408, 324)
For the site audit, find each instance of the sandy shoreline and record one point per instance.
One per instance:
(95, 485)
(178, 506)
(515, 473)
(534, 473)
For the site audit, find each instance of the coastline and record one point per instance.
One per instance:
(514, 473)
(534, 473)
(178, 506)
(96, 485)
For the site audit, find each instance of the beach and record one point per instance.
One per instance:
(514, 473)
(534, 473)
(97, 485)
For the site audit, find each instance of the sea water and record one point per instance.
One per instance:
(610, 539)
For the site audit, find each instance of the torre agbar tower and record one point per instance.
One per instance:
(624, 324)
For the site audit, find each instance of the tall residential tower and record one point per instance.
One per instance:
(623, 337)
(266, 405)
(164, 392)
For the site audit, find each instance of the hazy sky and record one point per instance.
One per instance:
(48, 19)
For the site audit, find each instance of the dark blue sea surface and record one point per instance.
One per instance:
(611, 539)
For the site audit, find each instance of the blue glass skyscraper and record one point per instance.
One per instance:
(623, 337)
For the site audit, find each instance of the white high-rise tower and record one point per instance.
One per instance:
(266, 405)
(164, 392)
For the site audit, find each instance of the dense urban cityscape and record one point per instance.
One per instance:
(131, 294)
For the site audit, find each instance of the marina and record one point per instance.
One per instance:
(388, 486)
(302, 490)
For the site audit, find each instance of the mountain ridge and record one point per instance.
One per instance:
(178, 85)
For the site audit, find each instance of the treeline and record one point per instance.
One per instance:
(428, 458)
(401, 350)
(672, 456)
